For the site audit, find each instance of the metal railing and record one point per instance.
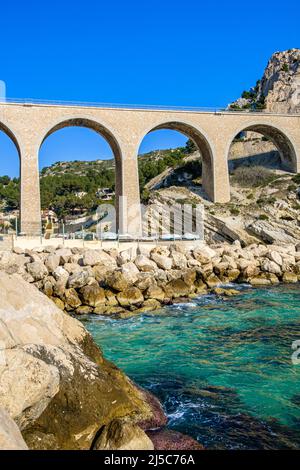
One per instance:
(90, 104)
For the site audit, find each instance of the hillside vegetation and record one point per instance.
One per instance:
(69, 185)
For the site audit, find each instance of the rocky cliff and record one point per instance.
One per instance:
(55, 383)
(279, 89)
(280, 84)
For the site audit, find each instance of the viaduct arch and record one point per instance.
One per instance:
(29, 124)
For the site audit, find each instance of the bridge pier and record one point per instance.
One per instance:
(30, 207)
(128, 202)
(215, 176)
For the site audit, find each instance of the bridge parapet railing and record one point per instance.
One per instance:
(150, 107)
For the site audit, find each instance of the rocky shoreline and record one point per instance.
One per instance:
(57, 391)
(131, 282)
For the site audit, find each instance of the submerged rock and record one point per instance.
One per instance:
(167, 439)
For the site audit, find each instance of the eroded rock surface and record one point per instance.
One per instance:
(55, 383)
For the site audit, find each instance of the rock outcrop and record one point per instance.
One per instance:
(279, 89)
(139, 283)
(10, 435)
(55, 383)
(280, 84)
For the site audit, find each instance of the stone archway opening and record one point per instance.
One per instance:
(175, 154)
(80, 169)
(10, 181)
(175, 173)
(257, 154)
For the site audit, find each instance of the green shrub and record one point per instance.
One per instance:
(263, 217)
(253, 176)
(234, 211)
(296, 178)
(285, 68)
(145, 196)
(265, 200)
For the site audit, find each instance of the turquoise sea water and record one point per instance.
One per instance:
(221, 368)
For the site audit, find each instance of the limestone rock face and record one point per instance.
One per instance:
(271, 233)
(280, 83)
(10, 436)
(55, 383)
(279, 88)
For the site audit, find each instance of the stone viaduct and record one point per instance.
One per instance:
(29, 124)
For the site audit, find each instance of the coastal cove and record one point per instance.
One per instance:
(208, 330)
(221, 367)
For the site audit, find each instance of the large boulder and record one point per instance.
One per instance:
(93, 257)
(124, 257)
(55, 383)
(176, 288)
(93, 295)
(275, 257)
(78, 279)
(131, 296)
(260, 280)
(119, 435)
(37, 270)
(72, 299)
(13, 262)
(270, 267)
(155, 292)
(290, 278)
(10, 435)
(130, 271)
(204, 254)
(101, 272)
(162, 261)
(179, 260)
(52, 262)
(64, 255)
(145, 264)
(118, 281)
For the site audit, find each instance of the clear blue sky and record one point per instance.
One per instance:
(190, 52)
